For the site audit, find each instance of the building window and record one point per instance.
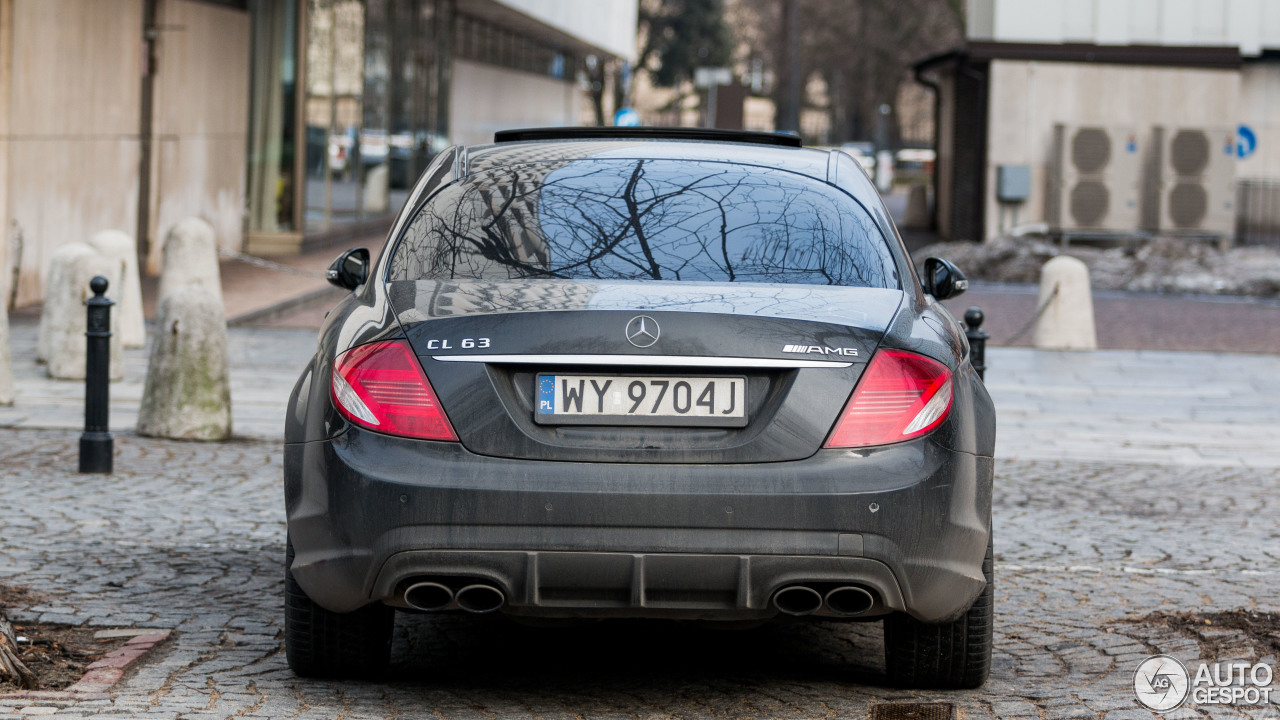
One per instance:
(481, 41)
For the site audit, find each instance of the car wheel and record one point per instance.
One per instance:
(947, 655)
(321, 643)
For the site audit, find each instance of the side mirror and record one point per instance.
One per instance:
(350, 270)
(942, 279)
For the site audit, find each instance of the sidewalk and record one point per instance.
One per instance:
(264, 363)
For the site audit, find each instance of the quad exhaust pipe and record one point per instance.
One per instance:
(797, 600)
(843, 601)
(430, 596)
(480, 598)
(849, 600)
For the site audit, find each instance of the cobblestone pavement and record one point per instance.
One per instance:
(189, 537)
(1128, 482)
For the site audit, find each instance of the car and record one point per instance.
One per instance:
(864, 152)
(656, 373)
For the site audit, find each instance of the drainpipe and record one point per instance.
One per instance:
(937, 139)
(145, 113)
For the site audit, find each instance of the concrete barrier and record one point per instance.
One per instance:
(120, 247)
(190, 258)
(61, 340)
(188, 390)
(6, 360)
(1067, 321)
(916, 215)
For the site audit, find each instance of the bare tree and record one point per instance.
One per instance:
(860, 49)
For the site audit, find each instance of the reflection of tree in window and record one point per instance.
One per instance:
(645, 219)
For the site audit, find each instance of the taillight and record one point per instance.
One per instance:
(381, 386)
(900, 396)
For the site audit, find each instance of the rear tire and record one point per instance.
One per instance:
(950, 655)
(321, 643)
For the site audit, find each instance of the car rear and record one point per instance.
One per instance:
(637, 385)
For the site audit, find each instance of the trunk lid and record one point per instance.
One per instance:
(488, 346)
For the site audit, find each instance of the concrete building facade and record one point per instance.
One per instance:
(278, 121)
(1150, 80)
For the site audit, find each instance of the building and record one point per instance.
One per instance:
(1108, 117)
(281, 122)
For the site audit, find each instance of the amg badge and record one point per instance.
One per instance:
(820, 350)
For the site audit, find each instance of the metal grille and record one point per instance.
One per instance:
(1189, 152)
(1090, 201)
(1258, 213)
(914, 711)
(1090, 150)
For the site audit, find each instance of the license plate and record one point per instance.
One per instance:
(640, 400)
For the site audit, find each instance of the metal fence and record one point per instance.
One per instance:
(1258, 212)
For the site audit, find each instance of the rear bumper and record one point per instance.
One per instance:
(369, 513)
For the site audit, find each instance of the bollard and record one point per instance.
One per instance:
(96, 444)
(1065, 318)
(188, 391)
(973, 318)
(6, 360)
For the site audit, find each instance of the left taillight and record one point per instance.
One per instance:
(900, 396)
(381, 386)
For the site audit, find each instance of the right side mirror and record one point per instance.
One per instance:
(350, 270)
(942, 279)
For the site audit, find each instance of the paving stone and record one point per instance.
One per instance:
(190, 537)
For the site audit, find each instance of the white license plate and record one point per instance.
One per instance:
(639, 400)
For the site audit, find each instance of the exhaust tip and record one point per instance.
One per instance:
(428, 596)
(849, 601)
(480, 598)
(797, 600)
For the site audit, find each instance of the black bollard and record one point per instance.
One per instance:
(973, 318)
(96, 444)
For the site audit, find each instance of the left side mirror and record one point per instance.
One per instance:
(350, 270)
(942, 279)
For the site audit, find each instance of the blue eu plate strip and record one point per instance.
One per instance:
(547, 394)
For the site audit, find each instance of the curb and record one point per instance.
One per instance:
(101, 674)
(279, 309)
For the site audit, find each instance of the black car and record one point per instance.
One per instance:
(658, 373)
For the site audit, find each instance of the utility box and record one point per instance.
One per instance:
(1013, 183)
(1093, 179)
(1190, 187)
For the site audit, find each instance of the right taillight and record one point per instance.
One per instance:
(381, 386)
(900, 396)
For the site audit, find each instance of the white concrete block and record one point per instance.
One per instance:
(376, 188)
(6, 359)
(61, 342)
(120, 247)
(188, 390)
(1067, 322)
(917, 213)
(191, 258)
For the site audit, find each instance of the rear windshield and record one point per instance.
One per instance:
(644, 220)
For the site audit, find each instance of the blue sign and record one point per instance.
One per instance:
(626, 117)
(1246, 141)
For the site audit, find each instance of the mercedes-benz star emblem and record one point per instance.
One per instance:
(643, 331)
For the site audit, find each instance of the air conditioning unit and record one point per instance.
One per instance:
(1191, 182)
(1094, 179)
